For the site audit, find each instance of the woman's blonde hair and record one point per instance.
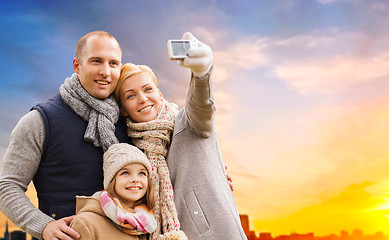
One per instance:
(148, 199)
(128, 70)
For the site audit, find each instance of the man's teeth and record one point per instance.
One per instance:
(145, 109)
(102, 82)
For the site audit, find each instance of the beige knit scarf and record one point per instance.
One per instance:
(153, 137)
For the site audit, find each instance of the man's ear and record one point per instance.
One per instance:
(76, 65)
(123, 112)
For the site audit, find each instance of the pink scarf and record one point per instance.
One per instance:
(139, 222)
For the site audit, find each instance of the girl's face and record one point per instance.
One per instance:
(131, 183)
(140, 98)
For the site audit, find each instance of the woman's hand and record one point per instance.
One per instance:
(229, 179)
(199, 59)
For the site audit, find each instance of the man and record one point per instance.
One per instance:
(59, 144)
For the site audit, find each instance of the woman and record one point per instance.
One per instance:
(205, 205)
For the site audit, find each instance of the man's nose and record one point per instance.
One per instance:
(105, 70)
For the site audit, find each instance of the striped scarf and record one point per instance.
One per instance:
(153, 137)
(139, 222)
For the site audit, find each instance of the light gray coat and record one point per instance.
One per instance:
(204, 201)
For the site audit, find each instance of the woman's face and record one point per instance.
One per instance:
(131, 183)
(140, 98)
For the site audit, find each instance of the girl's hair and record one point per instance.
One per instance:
(127, 71)
(148, 199)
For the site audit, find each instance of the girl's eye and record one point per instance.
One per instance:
(148, 89)
(124, 173)
(143, 173)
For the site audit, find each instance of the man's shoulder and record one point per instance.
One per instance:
(54, 108)
(33, 119)
(51, 102)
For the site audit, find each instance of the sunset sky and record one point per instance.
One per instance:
(302, 93)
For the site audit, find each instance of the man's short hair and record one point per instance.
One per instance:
(81, 43)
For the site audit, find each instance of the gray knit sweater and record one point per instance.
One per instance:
(19, 165)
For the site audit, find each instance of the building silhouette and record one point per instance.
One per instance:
(6, 233)
(15, 235)
(265, 236)
(18, 235)
(244, 219)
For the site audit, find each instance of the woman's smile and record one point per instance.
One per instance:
(146, 108)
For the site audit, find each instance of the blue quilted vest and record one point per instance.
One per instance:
(70, 165)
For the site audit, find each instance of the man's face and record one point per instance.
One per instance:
(99, 66)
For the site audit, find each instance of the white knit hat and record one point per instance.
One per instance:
(119, 155)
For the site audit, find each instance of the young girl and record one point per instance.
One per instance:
(124, 209)
(205, 205)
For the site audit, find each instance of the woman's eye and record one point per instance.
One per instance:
(130, 96)
(143, 173)
(148, 89)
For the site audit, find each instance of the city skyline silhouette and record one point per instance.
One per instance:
(356, 234)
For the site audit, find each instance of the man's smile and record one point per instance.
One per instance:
(102, 82)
